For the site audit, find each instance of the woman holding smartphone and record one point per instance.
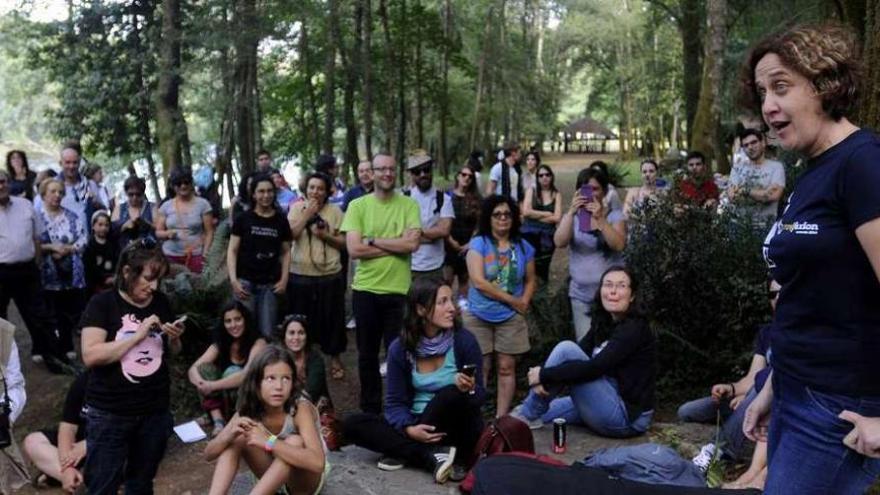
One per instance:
(125, 335)
(432, 405)
(597, 242)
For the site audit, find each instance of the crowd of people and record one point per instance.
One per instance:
(441, 285)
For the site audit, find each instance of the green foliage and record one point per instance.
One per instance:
(704, 280)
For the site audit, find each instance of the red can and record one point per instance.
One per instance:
(559, 436)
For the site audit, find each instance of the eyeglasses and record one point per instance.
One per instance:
(618, 285)
(501, 215)
(421, 171)
(383, 170)
(540, 176)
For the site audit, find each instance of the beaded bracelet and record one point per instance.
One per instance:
(270, 443)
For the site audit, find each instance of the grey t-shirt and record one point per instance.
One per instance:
(430, 255)
(587, 262)
(188, 224)
(768, 174)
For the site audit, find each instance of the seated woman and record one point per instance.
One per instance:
(59, 453)
(311, 375)
(275, 430)
(218, 372)
(611, 373)
(432, 403)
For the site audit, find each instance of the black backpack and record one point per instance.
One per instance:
(440, 197)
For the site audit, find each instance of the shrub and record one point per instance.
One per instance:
(703, 277)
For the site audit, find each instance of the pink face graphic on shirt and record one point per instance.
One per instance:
(143, 359)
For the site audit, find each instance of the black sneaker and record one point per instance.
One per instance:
(443, 458)
(458, 473)
(387, 463)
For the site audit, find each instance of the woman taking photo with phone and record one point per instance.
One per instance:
(597, 237)
(433, 394)
(126, 333)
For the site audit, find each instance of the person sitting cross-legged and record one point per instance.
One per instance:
(432, 404)
(611, 373)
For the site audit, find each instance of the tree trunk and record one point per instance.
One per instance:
(245, 75)
(481, 80)
(367, 86)
(308, 74)
(706, 120)
(142, 98)
(417, 77)
(401, 62)
(349, 62)
(170, 124)
(690, 27)
(388, 110)
(870, 101)
(444, 88)
(330, 78)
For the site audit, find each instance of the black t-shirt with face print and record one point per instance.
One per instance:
(139, 382)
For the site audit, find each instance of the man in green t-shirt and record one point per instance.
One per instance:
(381, 230)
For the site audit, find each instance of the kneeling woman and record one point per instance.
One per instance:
(275, 431)
(432, 409)
(610, 373)
(219, 371)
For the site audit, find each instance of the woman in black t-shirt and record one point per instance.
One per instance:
(125, 335)
(825, 252)
(466, 203)
(258, 257)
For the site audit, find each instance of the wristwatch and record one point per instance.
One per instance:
(370, 241)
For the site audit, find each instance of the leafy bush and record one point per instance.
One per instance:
(703, 277)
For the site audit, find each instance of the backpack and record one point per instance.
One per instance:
(468, 483)
(440, 197)
(504, 434)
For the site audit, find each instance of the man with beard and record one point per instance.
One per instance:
(760, 181)
(382, 231)
(436, 217)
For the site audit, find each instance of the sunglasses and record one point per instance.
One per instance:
(500, 215)
(465, 174)
(421, 171)
(183, 182)
(544, 175)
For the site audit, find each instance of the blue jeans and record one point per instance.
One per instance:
(705, 410)
(124, 448)
(805, 449)
(263, 304)
(580, 313)
(596, 404)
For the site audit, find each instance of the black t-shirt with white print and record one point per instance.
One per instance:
(139, 382)
(260, 250)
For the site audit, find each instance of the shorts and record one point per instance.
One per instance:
(507, 337)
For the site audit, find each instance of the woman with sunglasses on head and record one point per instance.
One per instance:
(610, 373)
(219, 371)
(185, 222)
(825, 251)
(501, 266)
(126, 333)
(317, 282)
(542, 210)
(593, 248)
(134, 218)
(465, 197)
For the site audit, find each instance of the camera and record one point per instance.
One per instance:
(317, 220)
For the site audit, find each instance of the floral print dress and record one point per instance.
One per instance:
(69, 271)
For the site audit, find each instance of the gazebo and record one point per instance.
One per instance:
(586, 136)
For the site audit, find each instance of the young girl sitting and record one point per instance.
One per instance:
(100, 255)
(218, 372)
(275, 431)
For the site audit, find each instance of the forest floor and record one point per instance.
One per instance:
(184, 471)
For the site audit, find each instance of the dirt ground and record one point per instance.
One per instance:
(183, 470)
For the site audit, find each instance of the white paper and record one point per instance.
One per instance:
(190, 432)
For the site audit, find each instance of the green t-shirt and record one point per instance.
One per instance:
(384, 220)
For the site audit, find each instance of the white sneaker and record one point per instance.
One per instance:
(37, 358)
(383, 369)
(71, 355)
(351, 324)
(534, 424)
(704, 458)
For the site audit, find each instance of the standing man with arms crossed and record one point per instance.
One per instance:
(436, 214)
(382, 230)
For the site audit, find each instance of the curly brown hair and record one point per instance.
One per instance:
(827, 54)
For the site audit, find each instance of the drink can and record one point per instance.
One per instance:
(559, 436)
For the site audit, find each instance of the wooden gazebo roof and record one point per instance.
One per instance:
(587, 125)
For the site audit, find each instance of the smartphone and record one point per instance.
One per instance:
(583, 215)
(469, 370)
(180, 321)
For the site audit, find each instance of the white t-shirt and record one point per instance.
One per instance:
(495, 175)
(768, 174)
(430, 255)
